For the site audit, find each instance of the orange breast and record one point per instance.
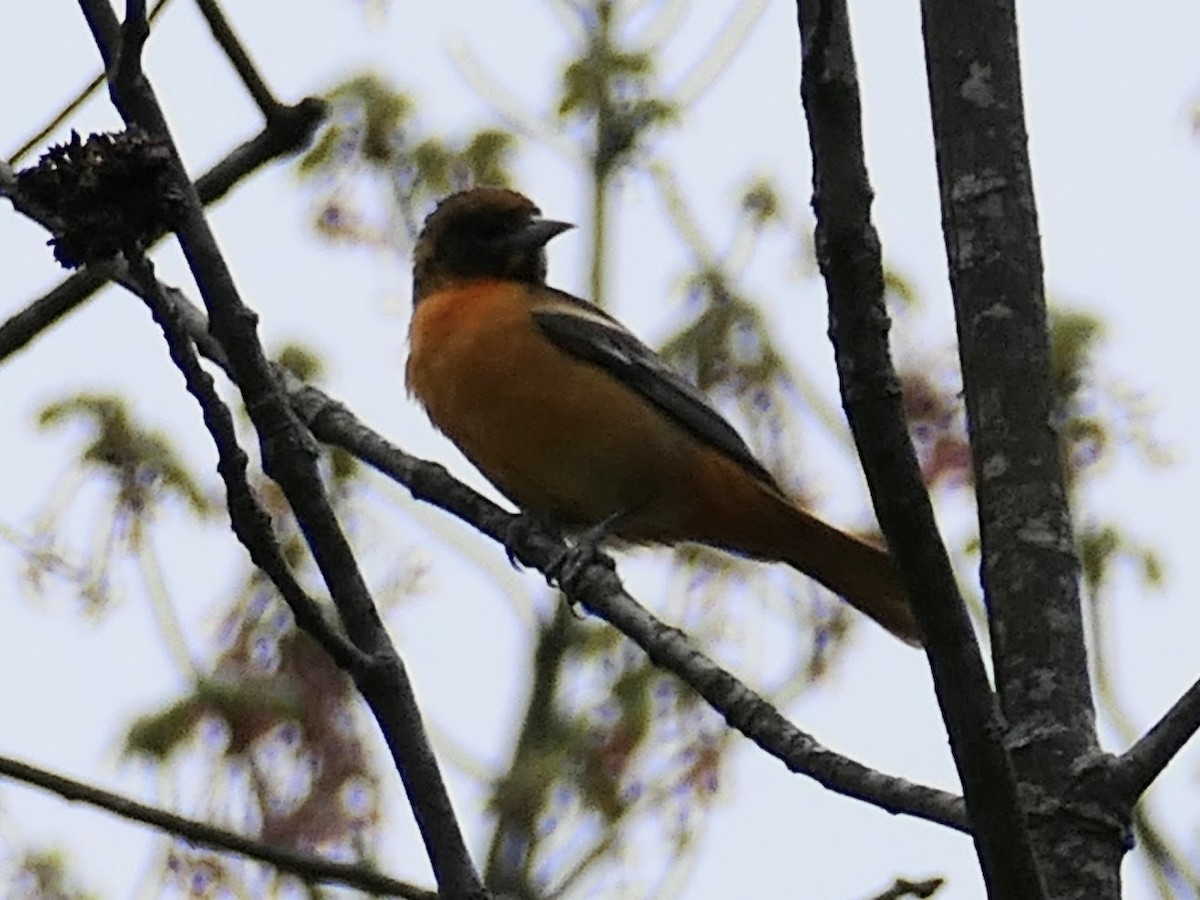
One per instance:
(558, 436)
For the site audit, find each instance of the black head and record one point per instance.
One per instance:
(486, 232)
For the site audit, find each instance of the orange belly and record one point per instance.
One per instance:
(558, 436)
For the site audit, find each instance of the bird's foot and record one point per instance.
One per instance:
(521, 527)
(573, 561)
(583, 552)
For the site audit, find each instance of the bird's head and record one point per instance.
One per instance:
(486, 232)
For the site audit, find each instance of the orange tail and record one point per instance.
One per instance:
(860, 573)
(753, 519)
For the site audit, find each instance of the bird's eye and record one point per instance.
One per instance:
(490, 229)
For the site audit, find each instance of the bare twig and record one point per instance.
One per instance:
(238, 57)
(305, 867)
(1137, 768)
(290, 458)
(250, 521)
(1167, 866)
(918, 889)
(850, 259)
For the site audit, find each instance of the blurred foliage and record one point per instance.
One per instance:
(138, 461)
(611, 89)
(277, 721)
(40, 875)
(137, 470)
(1099, 420)
(271, 718)
(373, 149)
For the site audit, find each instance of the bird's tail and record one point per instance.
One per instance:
(766, 525)
(861, 573)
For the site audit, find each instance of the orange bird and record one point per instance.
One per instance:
(581, 424)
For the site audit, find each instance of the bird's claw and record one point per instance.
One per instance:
(518, 531)
(573, 561)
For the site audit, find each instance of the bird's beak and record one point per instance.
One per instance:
(536, 235)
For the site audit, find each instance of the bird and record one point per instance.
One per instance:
(580, 424)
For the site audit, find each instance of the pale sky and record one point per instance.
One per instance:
(1109, 90)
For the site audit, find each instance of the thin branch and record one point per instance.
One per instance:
(307, 868)
(917, 889)
(1167, 866)
(601, 592)
(507, 105)
(730, 37)
(290, 457)
(674, 201)
(850, 259)
(124, 81)
(288, 132)
(1137, 768)
(250, 521)
(228, 41)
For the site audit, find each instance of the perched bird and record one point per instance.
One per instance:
(579, 423)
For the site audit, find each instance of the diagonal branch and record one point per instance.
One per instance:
(307, 868)
(238, 57)
(849, 255)
(600, 591)
(1135, 770)
(290, 458)
(250, 521)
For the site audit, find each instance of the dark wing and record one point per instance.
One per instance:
(587, 332)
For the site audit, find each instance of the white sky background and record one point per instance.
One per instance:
(1108, 90)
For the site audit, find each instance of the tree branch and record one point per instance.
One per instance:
(290, 458)
(597, 590)
(916, 889)
(1030, 565)
(1135, 770)
(228, 41)
(849, 255)
(250, 521)
(600, 591)
(307, 868)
